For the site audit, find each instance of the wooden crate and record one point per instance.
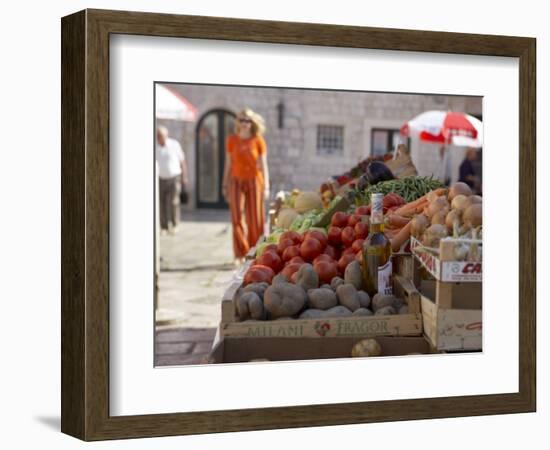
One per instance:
(403, 264)
(452, 317)
(240, 349)
(391, 325)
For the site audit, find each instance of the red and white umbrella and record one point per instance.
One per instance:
(445, 127)
(170, 104)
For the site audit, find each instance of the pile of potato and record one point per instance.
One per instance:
(307, 299)
(458, 214)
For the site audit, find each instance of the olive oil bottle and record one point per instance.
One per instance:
(377, 265)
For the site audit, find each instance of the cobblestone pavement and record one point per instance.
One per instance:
(196, 264)
(183, 346)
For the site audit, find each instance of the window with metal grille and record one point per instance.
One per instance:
(385, 140)
(330, 139)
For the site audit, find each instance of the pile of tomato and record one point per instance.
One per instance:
(328, 253)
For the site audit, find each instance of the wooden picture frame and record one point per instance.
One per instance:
(85, 224)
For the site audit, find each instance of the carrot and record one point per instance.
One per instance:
(396, 221)
(390, 234)
(401, 237)
(413, 206)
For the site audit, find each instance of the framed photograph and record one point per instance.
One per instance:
(272, 225)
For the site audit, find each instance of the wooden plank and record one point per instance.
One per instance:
(429, 320)
(394, 325)
(74, 321)
(459, 329)
(444, 294)
(239, 349)
(405, 289)
(451, 329)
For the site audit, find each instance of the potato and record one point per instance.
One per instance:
(336, 281)
(279, 278)
(347, 296)
(398, 303)
(258, 288)
(312, 314)
(250, 305)
(362, 312)
(307, 278)
(364, 299)
(337, 311)
(241, 303)
(366, 348)
(403, 310)
(284, 299)
(353, 275)
(385, 311)
(322, 298)
(256, 307)
(382, 300)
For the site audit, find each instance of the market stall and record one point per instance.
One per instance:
(311, 279)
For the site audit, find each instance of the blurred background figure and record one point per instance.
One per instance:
(246, 181)
(467, 170)
(444, 169)
(172, 172)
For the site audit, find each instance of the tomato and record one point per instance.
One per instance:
(310, 249)
(272, 247)
(361, 230)
(326, 270)
(294, 277)
(271, 259)
(320, 236)
(291, 252)
(293, 235)
(348, 236)
(331, 251)
(354, 219)
(283, 244)
(363, 210)
(359, 257)
(291, 269)
(296, 259)
(344, 261)
(258, 274)
(334, 235)
(357, 245)
(339, 219)
(323, 257)
(348, 251)
(392, 199)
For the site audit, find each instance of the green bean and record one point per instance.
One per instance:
(410, 188)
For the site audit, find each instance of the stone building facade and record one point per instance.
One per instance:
(299, 122)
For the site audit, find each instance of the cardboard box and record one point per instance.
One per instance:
(457, 328)
(445, 269)
(240, 349)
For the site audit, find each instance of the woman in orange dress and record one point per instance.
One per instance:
(246, 181)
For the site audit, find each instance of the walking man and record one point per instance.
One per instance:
(172, 172)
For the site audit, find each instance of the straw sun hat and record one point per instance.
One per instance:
(258, 123)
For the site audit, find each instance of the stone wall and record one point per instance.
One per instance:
(292, 154)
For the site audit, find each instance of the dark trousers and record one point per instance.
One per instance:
(169, 201)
